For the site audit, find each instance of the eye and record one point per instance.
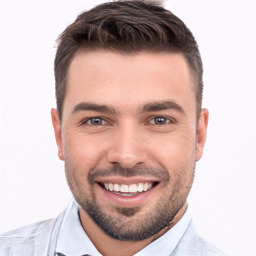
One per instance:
(161, 120)
(95, 121)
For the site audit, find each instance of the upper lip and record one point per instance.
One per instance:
(124, 180)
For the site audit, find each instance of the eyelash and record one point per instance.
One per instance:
(86, 121)
(167, 120)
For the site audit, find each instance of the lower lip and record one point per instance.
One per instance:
(126, 201)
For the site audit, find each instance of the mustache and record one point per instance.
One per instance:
(137, 170)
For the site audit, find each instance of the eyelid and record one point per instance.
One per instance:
(170, 119)
(107, 121)
(85, 120)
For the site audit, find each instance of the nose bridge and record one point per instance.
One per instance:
(127, 146)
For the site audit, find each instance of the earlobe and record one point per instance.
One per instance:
(201, 133)
(57, 131)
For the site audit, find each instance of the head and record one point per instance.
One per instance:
(129, 123)
(127, 27)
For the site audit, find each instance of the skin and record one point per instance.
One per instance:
(138, 89)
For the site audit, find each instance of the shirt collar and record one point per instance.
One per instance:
(166, 243)
(73, 241)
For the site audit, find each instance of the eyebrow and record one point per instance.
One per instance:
(85, 106)
(149, 107)
(162, 105)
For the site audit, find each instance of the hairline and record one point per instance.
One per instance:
(124, 51)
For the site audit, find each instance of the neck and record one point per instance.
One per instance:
(109, 246)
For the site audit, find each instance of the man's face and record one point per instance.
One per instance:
(129, 138)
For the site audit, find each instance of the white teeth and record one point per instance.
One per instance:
(110, 187)
(141, 187)
(145, 187)
(125, 194)
(124, 188)
(133, 188)
(116, 187)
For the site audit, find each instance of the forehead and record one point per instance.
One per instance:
(121, 79)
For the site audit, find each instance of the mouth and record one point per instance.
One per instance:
(128, 190)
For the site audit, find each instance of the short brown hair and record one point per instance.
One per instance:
(126, 26)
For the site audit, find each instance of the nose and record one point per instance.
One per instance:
(127, 147)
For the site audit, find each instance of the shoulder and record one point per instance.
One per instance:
(204, 248)
(24, 240)
(193, 245)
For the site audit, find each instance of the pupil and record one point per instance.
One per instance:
(160, 120)
(96, 121)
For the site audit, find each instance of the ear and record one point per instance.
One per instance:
(201, 133)
(57, 131)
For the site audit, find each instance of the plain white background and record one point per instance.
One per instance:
(33, 186)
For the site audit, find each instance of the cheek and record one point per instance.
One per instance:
(175, 149)
(178, 158)
(83, 151)
(80, 157)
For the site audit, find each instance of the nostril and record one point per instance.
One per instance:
(127, 163)
(126, 153)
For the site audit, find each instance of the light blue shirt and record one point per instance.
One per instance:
(73, 241)
(65, 235)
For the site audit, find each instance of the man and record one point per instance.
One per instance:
(129, 127)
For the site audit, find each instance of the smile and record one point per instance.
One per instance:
(128, 190)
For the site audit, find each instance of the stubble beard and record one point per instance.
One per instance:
(131, 223)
